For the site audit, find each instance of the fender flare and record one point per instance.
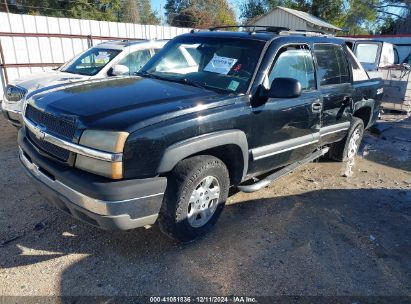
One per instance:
(191, 146)
(363, 104)
(370, 103)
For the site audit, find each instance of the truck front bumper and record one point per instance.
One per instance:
(110, 205)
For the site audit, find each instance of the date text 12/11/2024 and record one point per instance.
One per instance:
(208, 299)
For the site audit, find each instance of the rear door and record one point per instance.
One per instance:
(336, 90)
(367, 92)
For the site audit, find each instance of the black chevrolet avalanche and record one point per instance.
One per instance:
(211, 110)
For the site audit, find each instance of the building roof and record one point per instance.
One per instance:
(305, 16)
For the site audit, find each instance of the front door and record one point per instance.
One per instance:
(285, 128)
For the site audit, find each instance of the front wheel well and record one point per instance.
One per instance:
(364, 114)
(232, 156)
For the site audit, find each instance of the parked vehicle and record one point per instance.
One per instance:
(166, 146)
(112, 58)
(375, 55)
(380, 59)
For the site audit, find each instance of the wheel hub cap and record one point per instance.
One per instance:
(203, 201)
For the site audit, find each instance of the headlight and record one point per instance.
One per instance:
(14, 93)
(106, 141)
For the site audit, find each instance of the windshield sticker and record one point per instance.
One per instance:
(233, 85)
(220, 65)
(103, 57)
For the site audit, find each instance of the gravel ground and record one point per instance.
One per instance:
(314, 232)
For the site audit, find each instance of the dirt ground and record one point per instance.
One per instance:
(314, 232)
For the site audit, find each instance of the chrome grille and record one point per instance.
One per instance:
(53, 150)
(58, 126)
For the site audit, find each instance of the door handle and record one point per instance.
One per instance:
(316, 107)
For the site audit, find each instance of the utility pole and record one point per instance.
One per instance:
(6, 6)
(161, 14)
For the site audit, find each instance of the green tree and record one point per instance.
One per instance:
(84, 9)
(327, 10)
(199, 13)
(147, 15)
(253, 8)
(130, 11)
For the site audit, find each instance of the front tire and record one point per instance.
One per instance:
(347, 148)
(195, 196)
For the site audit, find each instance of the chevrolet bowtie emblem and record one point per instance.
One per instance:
(39, 132)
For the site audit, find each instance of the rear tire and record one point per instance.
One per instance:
(196, 193)
(347, 148)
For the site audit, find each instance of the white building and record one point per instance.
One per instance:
(294, 20)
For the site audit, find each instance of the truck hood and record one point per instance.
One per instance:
(125, 103)
(37, 81)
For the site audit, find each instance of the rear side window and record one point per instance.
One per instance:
(332, 65)
(297, 63)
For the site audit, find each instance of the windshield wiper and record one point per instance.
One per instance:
(149, 75)
(192, 83)
(182, 80)
(179, 80)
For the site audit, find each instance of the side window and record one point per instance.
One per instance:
(332, 65)
(135, 61)
(294, 62)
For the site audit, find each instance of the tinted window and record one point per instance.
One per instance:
(332, 65)
(135, 61)
(297, 64)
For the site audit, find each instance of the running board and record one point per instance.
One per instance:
(284, 171)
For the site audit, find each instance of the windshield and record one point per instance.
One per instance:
(218, 64)
(90, 62)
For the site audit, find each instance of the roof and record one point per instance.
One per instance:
(264, 36)
(303, 15)
(121, 44)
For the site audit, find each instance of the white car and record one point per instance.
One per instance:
(112, 58)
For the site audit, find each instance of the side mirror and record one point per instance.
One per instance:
(284, 88)
(119, 70)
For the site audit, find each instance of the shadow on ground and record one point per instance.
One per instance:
(326, 242)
